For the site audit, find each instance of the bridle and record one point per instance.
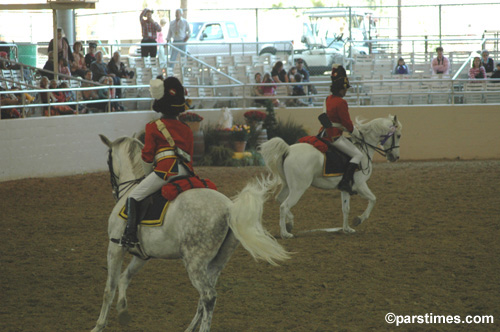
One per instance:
(384, 138)
(117, 191)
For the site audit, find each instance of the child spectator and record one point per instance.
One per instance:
(269, 90)
(477, 70)
(59, 97)
(401, 68)
(257, 90)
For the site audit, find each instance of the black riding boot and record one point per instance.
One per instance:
(129, 238)
(348, 179)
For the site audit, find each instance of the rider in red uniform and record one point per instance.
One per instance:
(163, 157)
(338, 113)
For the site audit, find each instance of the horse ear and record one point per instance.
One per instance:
(105, 140)
(395, 121)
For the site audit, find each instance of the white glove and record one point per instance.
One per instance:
(355, 133)
(147, 167)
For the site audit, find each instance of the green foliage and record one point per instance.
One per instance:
(290, 131)
(217, 156)
(317, 3)
(270, 122)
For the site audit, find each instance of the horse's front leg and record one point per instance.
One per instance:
(346, 207)
(135, 265)
(365, 192)
(115, 261)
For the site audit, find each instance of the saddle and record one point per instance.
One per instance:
(335, 162)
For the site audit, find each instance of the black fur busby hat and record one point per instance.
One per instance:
(339, 79)
(169, 95)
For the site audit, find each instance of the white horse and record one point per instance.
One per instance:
(301, 165)
(202, 227)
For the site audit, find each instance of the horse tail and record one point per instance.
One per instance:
(246, 222)
(274, 152)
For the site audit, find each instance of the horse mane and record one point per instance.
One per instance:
(379, 124)
(132, 147)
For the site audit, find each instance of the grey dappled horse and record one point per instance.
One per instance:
(300, 166)
(202, 227)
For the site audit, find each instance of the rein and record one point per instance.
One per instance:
(381, 151)
(117, 191)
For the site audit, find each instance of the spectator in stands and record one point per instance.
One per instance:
(311, 89)
(49, 67)
(496, 74)
(109, 94)
(64, 50)
(149, 29)
(278, 73)
(440, 64)
(160, 39)
(291, 74)
(45, 97)
(487, 62)
(8, 100)
(68, 95)
(63, 67)
(269, 90)
(180, 31)
(297, 90)
(78, 66)
(117, 68)
(4, 64)
(89, 94)
(477, 70)
(257, 90)
(90, 56)
(59, 97)
(401, 67)
(99, 69)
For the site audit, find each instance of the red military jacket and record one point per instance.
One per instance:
(338, 112)
(155, 142)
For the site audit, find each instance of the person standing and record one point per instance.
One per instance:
(180, 32)
(63, 48)
(149, 30)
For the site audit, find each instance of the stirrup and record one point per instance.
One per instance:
(128, 242)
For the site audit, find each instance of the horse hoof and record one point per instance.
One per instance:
(349, 230)
(124, 318)
(286, 235)
(356, 221)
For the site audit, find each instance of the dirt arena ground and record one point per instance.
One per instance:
(431, 246)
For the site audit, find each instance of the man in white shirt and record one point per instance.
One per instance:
(180, 32)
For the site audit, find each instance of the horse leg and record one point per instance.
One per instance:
(365, 192)
(201, 280)
(346, 207)
(283, 194)
(286, 216)
(135, 265)
(115, 261)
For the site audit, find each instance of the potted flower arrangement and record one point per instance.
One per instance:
(192, 120)
(255, 118)
(239, 136)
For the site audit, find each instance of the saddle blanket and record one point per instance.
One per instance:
(335, 162)
(154, 209)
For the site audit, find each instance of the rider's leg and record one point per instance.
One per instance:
(352, 151)
(151, 184)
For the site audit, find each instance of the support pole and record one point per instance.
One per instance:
(55, 50)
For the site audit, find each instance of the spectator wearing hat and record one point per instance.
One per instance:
(90, 56)
(149, 30)
(168, 144)
(440, 64)
(180, 32)
(4, 64)
(487, 62)
(337, 112)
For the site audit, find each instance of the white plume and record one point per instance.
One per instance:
(156, 88)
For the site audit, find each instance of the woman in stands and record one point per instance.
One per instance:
(477, 70)
(78, 66)
(337, 112)
(168, 147)
(401, 68)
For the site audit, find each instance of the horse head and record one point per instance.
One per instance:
(124, 162)
(390, 139)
